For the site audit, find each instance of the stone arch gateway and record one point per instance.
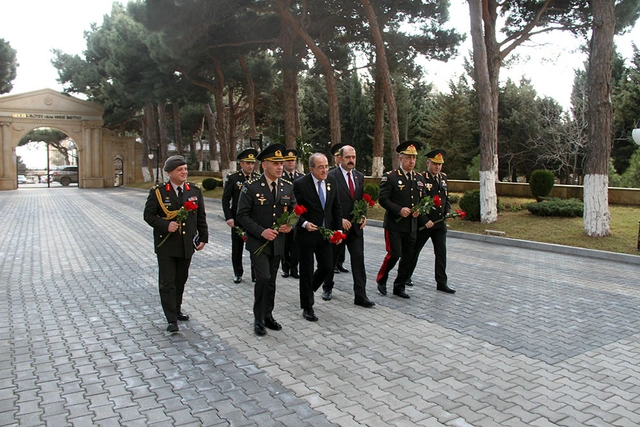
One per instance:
(80, 120)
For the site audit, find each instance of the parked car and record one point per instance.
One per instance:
(65, 175)
(22, 179)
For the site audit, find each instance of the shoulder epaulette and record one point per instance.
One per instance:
(287, 181)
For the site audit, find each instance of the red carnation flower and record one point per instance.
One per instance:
(437, 201)
(299, 210)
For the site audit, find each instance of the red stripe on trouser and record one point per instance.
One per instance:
(383, 268)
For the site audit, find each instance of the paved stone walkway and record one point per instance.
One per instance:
(532, 338)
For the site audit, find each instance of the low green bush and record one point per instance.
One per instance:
(541, 183)
(372, 190)
(554, 206)
(454, 198)
(470, 203)
(210, 183)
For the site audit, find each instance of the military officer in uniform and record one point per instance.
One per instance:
(175, 241)
(335, 152)
(434, 223)
(262, 203)
(230, 195)
(400, 191)
(290, 258)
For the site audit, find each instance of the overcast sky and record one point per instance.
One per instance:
(35, 27)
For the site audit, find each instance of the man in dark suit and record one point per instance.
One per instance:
(290, 258)
(262, 203)
(316, 191)
(350, 188)
(230, 195)
(339, 266)
(175, 242)
(434, 222)
(400, 191)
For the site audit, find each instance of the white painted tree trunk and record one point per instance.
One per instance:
(225, 172)
(488, 197)
(215, 165)
(597, 218)
(377, 167)
(146, 175)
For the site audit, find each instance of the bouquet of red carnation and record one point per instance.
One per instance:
(181, 216)
(287, 218)
(334, 237)
(360, 207)
(240, 232)
(457, 214)
(424, 205)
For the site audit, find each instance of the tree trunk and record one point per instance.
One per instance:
(487, 116)
(213, 144)
(596, 180)
(177, 128)
(385, 75)
(231, 128)
(251, 97)
(377, 165)
(221, 128)
(162, 130)
(151, 125)
(289, 85)
(323, 60)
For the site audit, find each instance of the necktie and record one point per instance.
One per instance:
(246, 177)
(180, 194)
(352, 188)
(291, 177)
(321, 194)
(273, 190)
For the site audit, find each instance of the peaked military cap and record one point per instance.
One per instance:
(273, 153)
(248, 155)
(409, 147)
(335, 149)
(437, 155)
(291, 154)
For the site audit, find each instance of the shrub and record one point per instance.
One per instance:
(454, 198)
(554, 206)
(372, 190)
(541, 183)
(209, 183)
(470, 203)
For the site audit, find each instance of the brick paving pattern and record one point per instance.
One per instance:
(532, 338)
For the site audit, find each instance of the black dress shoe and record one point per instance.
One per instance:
(295, 275)
(336, 270)
(183, 317)
(342, 269)
(366, 303)
(382, 288)
(272, 324)
(173, 327)
(445, 288)
(253, 279)
(259, 329)
(401, 294)
(285, 274)
(326, 295)
(409, 283)
(309, 315)
(237, 279)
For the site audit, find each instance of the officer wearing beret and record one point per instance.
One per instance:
(433, 225)
(290, 257)
(175, 241)
(400, 191)
(262, 202)
(335, 152)
(230, 194)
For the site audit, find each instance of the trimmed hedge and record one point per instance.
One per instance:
(209, 184)
(372, 190)
(554, 206)
(470, 204)
(541, 183)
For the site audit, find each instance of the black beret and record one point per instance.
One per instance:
(173, 162)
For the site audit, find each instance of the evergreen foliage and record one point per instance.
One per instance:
(8, 66)
(209, 184)
(541, 183)
(470, 203)
(554, 206)
(373, 190)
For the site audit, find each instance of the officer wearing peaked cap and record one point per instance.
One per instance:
(174, 240)
(400, 191)
(290, 257)
(262, 203)
(432, 226)
(230, 194)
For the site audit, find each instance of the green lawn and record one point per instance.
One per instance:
(518, 223)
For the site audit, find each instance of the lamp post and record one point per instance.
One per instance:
(156, 150)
